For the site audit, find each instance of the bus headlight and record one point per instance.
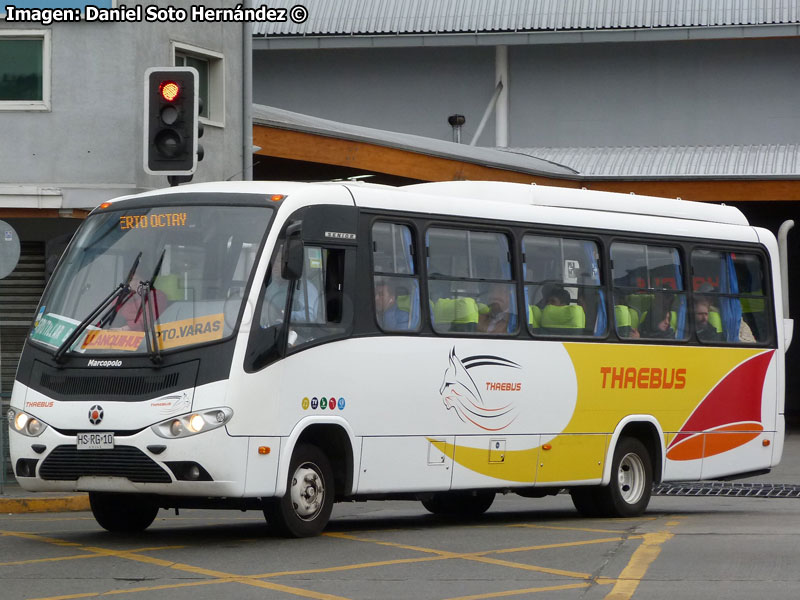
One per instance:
(26, 424)
(193, 423)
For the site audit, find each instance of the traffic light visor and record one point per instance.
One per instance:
(169, 90)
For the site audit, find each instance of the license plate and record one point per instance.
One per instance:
(95, 441)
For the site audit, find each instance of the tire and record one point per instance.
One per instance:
(122, 513)
(589, 501)
(306, 507)
(630, 488)
(459, 504)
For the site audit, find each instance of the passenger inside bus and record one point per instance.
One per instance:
(498, 318)
(559, 315)
(658, 321)
(657, 325)
(390, 316)
(555, 295)
(703, 316)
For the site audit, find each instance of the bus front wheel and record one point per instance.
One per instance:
(628, 493)
(122, 513)
(306, 506)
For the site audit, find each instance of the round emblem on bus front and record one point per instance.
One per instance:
(95, 414)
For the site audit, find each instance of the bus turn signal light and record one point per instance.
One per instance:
(765, 443)
(263, 450)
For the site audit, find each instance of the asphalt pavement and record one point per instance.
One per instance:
(14, 499)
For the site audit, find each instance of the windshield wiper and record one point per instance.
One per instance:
(117, 294)
(121, 298)
(148, 314)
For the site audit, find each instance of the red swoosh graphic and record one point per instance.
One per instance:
(728, 417)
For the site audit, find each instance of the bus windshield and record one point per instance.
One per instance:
(177, 273)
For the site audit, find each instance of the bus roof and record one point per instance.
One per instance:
(539, 195)
(494, 191)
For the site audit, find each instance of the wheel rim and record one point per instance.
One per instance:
(307, 491)
(630, 477)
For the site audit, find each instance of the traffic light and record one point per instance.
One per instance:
(171, 111)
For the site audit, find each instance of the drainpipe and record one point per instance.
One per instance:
(501, 112)
(783, 257)
(247, 97)
(499, 101)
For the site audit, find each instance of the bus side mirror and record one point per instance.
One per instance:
(292, 267)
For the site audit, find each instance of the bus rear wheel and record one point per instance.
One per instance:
(628, 493)
(306, 506)
(122, 513)
(459, 504)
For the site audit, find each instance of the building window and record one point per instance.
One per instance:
(210, 66)
(24, 70)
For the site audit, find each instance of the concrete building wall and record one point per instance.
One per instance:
(671, 93)
(90, 142)
(609, 94)
(410, 90)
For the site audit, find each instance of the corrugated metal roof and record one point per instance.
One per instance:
(773, 161)
(670, 162)
(396, 17)
(489, 157)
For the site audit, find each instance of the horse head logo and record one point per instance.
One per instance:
(458, 386)
(461, 394)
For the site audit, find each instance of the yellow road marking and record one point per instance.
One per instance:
(138, 590)
(624, 586)
(561, 528)
(567, 544)
(352, 567)
(484, 558)
(217, 576)
(45, 560)
(552, 588)
(39, 538)
(78, 503)
(80, 556)
(526, 567)
(634, 571)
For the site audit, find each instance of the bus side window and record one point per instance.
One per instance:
(470, 282)
(318, 297)
(395, 280)
(563, 287)
(729, 297)
(273, 303)
(649, 292)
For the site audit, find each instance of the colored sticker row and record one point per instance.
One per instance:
(323, 403)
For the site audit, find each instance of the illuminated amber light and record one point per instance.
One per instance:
(277, 197)
(105, 205)
(169, 90)
(546, 447)
(263, 450)
(145, 221)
